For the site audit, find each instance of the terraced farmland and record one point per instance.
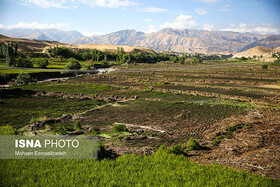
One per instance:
(216, 104)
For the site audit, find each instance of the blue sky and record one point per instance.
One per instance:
(104, 16)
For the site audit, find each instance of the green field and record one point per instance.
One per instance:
(16, 71)
(160, 169)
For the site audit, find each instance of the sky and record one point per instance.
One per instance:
(93, 17)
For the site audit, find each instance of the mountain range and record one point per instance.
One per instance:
(43, 34)
(188, 40)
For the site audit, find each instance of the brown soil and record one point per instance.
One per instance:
(255, 147)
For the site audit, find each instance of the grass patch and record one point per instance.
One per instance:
(160, 169)
(16, 71)
(229, 132)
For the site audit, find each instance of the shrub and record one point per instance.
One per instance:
(265, 66)
(177, 149)
(42, 63)
(23, 62)
(72, 63)
(243, 58)
(60, 130)
(37, 119)
(77, 126)
(23, 78)
(193, 145)
(218, 139)
(119, 128)
(87, 67)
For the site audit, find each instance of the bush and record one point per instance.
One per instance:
(265, 66)
(193, 145)
(177, 149)
(243, 58)
(119, 128)
(72, 63)
(77, 126)
(218, 139)
(23, 78)
(42, 63)
(60, 131)
(87, 67)
(23, 62)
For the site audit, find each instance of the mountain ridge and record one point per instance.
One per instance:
(167, 39)
(43, 34)
(188, 40)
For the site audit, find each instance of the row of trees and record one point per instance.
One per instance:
(120, 56)
(9, 52)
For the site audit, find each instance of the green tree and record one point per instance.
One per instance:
(72, 63)
(23, 62)
(105, 58)
(42, 62)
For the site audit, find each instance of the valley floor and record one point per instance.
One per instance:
(231, 109)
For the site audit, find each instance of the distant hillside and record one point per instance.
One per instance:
(30, 45)
(42, 34)
(189, 40)
(271, 42)
(113, 48)
(43, 45)
(257, 51)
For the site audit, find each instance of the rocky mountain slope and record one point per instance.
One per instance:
(271, 42)
(168, 39)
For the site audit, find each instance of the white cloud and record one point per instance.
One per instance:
(181, 22)
(108, 3)
(208, 27)
(225, 8)
(211, 1)
(152, 28)
(34, 25)
(51, 3)
(201, 11)
(260, 29)
(149, 19)
(66, 4)
(152, 9)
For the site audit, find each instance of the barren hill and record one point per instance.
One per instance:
(113, 48)
(256, 51)
(30, 45)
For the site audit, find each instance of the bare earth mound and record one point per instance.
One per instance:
(256, 51)
(113, 48)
